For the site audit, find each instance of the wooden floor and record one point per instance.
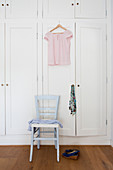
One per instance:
(91, 158)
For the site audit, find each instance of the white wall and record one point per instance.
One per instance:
(112, 71)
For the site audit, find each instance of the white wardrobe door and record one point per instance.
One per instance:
(2, 81)
(21, 76)
(21, 8)
(91, 79)
(58, 8)
(57, 80)
(90, 8)
(2, 8)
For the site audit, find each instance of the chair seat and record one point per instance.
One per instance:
(45, 125)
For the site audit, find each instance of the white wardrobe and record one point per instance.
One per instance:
(24, 70)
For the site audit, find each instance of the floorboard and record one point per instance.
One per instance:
(91, 158)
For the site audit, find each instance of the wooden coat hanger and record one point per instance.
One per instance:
(58, 26)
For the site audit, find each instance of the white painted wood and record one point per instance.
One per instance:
(19, 139)
(2, 81)
(91, 76)
(21, 76)
(58, 79)
(58, 8)
(2, 8)
(64, 140)
(40, 59)
(109, 68)
(40, 10)
(111, 143)
(90, 8)
(21, 8)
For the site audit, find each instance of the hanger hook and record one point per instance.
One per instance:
(59, 21)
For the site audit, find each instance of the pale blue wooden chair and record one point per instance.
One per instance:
(38, 126)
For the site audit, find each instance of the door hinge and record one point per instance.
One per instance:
(106, 37)
(106, 80)
(36, 35)
(106, 12)
(106, 122)
(42, 36)
(37, 13)
(42, 13)
(42, 78)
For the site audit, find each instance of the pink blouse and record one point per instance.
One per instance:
(59, 48)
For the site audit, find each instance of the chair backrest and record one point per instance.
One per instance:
(40, 109)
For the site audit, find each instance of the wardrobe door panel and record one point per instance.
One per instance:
(57, 80)
(21, 76)
(2, 8)
(91, 79)
(2, 81)
(58, 8)
(21, 8)
(90, 8)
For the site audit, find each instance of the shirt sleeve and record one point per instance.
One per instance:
(47, 36)
(69, 35)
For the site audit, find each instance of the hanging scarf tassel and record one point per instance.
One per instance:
(72, 101)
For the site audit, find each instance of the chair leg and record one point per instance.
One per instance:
(55, 137)
(57, 144)
(38, 144)
(31, 150)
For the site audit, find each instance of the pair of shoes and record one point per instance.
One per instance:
(71, 154)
